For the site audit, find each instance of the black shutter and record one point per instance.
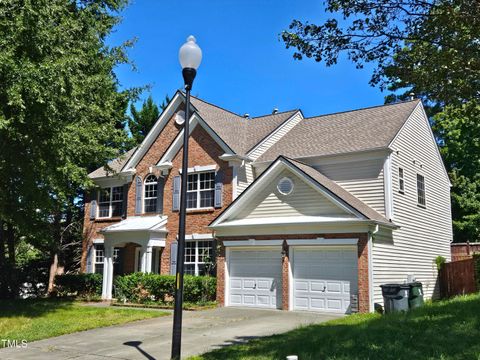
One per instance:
(176, 193)
(160, 187)
(138, 195)
(125, 201)
(93, 204)
(90, 260)
(218, 202)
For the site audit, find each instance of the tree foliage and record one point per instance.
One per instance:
(61, 112)
(427, 47)
(141, 121)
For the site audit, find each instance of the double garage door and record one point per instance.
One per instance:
(323, 278)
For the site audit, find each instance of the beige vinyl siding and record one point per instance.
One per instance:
(304, 200)
(275, 136)
(425, 233)
(362, 178)
(245, 177)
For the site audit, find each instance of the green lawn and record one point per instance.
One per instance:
(40, 319)
(440, 330)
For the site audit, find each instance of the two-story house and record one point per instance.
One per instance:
(298, 213)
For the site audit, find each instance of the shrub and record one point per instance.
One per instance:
(82, 285)
(140, 288)
(439, 261)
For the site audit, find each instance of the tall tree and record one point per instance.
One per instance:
(61, 113)
(428, 47)
(141, 121)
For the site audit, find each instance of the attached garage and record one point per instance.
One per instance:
(323, 278)
(255, 277)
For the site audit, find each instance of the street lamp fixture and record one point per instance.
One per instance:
(190, 56)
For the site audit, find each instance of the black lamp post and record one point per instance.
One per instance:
(190, 56)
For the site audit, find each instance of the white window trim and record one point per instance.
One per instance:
(110, 209)
(401, 180)
(144, 195)
(196, 263)
(198, 191)
(95, 262)
(424, 191)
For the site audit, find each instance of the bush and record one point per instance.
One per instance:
(82, 285)
(439, 261)
(141, 288)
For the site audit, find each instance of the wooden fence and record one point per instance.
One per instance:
(457, 278)
(461, 251)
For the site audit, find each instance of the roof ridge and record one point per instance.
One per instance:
(216, 106)
(360, 109)
(278, 113)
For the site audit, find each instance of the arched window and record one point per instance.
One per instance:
(150, 196)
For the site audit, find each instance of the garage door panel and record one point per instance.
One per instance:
(317, 304)
(323, 278)
(317, 286)
(259, 273)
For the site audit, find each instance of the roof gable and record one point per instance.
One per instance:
(304, 200)
(334, 200)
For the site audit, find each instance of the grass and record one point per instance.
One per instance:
(40, 319)
(440, 330)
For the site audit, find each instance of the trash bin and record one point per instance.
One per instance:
(415, 295)
(395, 297)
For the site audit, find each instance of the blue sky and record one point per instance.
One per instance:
(245, 66)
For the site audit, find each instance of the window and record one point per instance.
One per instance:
(110, 202)
(198, 257)
(100, 257)
(421, 190)
(200, 190)
(401, 181)
(150, 196)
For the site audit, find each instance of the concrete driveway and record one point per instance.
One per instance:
(151, 339)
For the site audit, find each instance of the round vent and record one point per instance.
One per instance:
(285, 186)
(180, 117)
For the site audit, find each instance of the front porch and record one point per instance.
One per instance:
(133, 245)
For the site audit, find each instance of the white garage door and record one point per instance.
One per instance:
(255, 278)
(324, 278)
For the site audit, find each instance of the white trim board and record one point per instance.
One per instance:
(321, 241)
(252, 242)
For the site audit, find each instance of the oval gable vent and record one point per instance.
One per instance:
(180, 117)
(285, 186)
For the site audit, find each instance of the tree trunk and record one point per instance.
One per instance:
(4, 291)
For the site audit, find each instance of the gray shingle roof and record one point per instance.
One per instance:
(239, 133)
(344, 132)
(339, 191)
(115, 166)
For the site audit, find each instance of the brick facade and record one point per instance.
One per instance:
(363, 278)
(203, 150)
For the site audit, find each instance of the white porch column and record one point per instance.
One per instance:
(143, 259)
(107, 284)
(148, 260)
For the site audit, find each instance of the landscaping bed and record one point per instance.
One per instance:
(186, 306)
(444, 330)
